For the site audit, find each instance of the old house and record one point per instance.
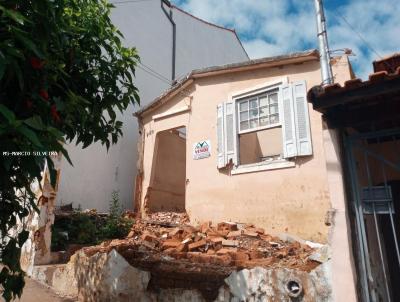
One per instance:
(366, 117)
(240, 142)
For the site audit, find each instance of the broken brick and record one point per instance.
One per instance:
(183, 247)
(175, 232)
(170, 243)
(223, 260)
(187, 240)
(150, 245)
(230, 243)
(216, 239)
(234, 234)
(260, 231)
(196, 245)
(239, 256)
(227, 226)
(131, 234)
(211, 252)
(205, 226)
(249, 233)
(225, 251)
(255, 255)
(149, 237)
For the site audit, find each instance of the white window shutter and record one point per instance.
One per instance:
(302, 120)
(230, 132)
(221, 161)
(288, 124)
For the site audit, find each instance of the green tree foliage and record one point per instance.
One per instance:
(63, 75)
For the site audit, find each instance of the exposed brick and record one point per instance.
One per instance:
(204, 258)
(260, 230)
(170, 250)
(131, 234)
(255, 255)
(183, 247)
(175, 232)
(249, 233)
(205, 226)
(211, 252)
(282, 253)
(188, 229)
(225, 251)
(196, 245)
(187, 240)
(212, 232)
(234, 234)
(170, 243)
(150, 245)
(193, 256)
(197, 238)
(149, 237)
(224, 226)
(239, 256)
(230, 243)
(223, 260)
(216, 239)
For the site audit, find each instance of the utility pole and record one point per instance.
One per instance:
(326, 70)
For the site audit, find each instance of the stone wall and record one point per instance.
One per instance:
(108, 277)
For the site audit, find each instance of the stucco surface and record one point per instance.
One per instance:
(293, 200)
(168, 183)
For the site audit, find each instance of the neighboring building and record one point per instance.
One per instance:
(170, 43)
(365, 115)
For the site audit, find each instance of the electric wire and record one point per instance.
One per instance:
(337, 14)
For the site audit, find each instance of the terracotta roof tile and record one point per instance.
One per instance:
(353, 83)
(378, 76)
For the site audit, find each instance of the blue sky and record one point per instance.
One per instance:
(272, 27)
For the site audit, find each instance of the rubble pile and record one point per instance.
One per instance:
(168, 237)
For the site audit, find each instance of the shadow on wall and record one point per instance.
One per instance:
(168, 176)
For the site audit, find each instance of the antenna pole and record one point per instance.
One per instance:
(326, 70)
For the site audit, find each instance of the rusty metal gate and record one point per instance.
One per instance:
(373, 161)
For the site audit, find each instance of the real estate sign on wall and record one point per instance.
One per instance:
(201, 149)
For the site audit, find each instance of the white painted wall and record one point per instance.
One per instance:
(96, 172)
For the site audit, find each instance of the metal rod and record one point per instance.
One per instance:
(326, 70)
(381, 253)
(359, 222)
(394, 231)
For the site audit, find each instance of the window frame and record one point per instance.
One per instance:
(252, 97)
(255, 90)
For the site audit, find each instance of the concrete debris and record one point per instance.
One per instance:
(227, 244)
(321, 255)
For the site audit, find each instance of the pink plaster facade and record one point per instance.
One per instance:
(297, 198)
(293, 199)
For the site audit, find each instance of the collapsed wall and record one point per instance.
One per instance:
(153, 264)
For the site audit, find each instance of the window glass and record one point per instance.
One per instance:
(254, 103)
(244, 125)
(244, 105)
(259, 111)
(244, 116)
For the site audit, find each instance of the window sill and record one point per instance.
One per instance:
(277, 164)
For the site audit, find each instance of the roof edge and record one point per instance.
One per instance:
(296, 57)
